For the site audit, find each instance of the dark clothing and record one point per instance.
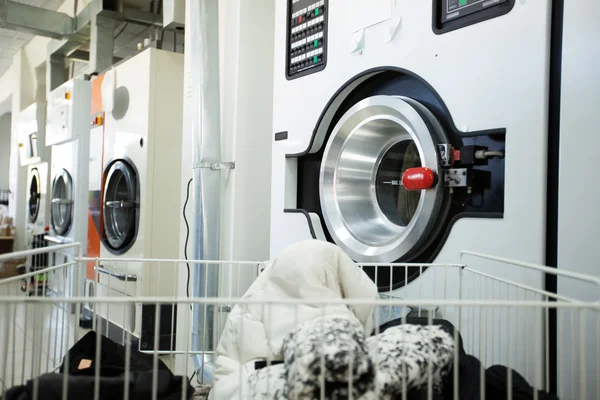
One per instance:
(80, 383)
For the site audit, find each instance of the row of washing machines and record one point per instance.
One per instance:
(401, 132)
(104, 169)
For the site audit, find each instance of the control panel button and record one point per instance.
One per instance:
(307, 36)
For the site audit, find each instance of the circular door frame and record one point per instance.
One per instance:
(34, 173)
(418, 125)
(130, 173)
(64, 228)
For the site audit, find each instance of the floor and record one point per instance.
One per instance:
(33, 337)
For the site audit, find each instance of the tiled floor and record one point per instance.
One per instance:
(33, 337)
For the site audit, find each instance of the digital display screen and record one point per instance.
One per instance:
(453, 9)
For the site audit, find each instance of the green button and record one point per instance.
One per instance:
(462, 2)
(315, 59)
(316, 44)
(317, 11)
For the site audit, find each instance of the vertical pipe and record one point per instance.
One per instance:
(204, 117)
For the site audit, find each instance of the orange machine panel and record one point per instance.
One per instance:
(95, 193)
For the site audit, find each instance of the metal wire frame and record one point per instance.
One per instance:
(479, 304)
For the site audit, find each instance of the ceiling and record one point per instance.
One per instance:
(11, 41)
(127, 37)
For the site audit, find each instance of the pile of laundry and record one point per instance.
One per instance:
(331, 357)
(279, 350)
(113, 382)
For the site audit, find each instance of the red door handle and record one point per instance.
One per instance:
(420, 178)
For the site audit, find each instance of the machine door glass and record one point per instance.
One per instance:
(121, 206)
(33, 205)
(61, 212)
(367, 207)
(398, 204)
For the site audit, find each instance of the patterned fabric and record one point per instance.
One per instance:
(374, 366)
(268, 383)
(332, 350)
(414, 349)
(201, 392)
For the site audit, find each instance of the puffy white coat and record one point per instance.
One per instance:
(305, 270)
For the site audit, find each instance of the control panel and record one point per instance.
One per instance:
(455, 14)
(306, 37)
(68, 111)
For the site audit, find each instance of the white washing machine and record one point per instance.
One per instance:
(141, 193)
(38, 206)
(33, 153)
(67, 131)
(67, 137)
(409, 131)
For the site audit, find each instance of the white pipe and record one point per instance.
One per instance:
(205, 122)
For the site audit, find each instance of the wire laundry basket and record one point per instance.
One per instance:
(551, 340)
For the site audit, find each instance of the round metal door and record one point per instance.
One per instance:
(367, 209)
(61, 212)
(33, 204)
(121, 206)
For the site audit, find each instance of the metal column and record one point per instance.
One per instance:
(203, 101)
(102, 43)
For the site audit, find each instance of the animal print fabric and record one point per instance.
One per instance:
(331, 350)
(268, 383)
(414, 351)
(371, 368)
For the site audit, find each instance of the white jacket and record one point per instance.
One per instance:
(305, 270)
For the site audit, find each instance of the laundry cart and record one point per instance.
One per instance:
(485, 337)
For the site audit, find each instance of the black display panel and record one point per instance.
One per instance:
(449, 15)
(459, 8)
(306, 37)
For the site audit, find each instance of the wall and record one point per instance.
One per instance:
(579, 216)
(247, 102)
(4, 150)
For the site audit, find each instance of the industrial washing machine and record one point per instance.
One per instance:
(67, 132)
(33, 153)
(409, 131)
(67, 138)
(38, 210)
(142, 104)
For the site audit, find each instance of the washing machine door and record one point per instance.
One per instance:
(121, 206)
(369, 212)
(61, 212)
(33, 203)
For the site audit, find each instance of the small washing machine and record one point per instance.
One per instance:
(410, 131)
(140, 193)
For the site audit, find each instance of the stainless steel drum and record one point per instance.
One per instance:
(61, 211)
(368, 212)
